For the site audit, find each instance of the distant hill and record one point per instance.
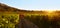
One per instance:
(6, 8)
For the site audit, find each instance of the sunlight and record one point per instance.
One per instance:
(50, 11)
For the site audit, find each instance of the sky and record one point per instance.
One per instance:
(33, 4)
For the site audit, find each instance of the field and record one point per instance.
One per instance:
(50, 20)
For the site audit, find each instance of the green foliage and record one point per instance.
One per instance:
(8, 20)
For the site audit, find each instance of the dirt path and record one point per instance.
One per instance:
(26, 24)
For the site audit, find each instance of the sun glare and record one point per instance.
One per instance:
(50, 11)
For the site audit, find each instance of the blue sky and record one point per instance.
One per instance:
(33, 4)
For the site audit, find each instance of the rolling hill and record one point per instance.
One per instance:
(6, 8)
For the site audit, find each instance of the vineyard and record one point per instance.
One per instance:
(10, 17)
(44, 21)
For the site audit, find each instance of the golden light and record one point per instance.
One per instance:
(50, 11)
